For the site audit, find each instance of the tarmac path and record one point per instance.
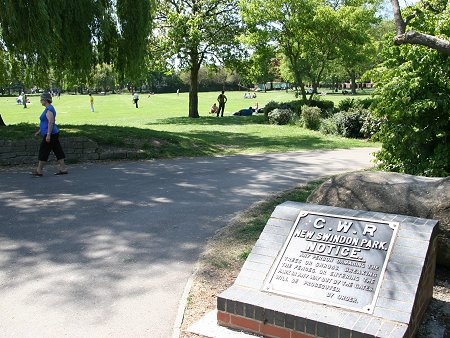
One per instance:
(107, 250)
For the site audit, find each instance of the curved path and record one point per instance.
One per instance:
(106, 251)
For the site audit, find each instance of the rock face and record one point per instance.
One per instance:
(393, 193)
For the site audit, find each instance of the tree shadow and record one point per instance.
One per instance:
(213, 120)
(77, 241)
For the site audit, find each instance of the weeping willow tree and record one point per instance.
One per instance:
(71, 37)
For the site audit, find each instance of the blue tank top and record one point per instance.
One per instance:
(43, 126)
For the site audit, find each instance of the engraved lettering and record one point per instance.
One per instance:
(322, 286)
(319, 223)
(348, 299)
(369, 228)
(364, 287)
(327, 266)
(303, 234)
(281, 278)
(344, 225)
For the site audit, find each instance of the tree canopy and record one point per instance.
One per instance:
(74, 36)
(309, 33)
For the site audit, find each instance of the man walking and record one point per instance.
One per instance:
(136, 99)
(222, 100)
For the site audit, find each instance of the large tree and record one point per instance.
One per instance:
(73, 36)
(198, 32)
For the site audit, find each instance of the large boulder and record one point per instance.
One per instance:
(393, 193)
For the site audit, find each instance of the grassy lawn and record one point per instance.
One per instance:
(161, 126)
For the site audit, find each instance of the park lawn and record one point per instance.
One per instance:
(160, 127)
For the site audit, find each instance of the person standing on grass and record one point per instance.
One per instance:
(50, 138)
(136, 99)
(222, 100)
(91, 100)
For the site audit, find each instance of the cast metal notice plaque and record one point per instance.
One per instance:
(333, 259)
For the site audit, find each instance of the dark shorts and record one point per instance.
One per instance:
(45, 148)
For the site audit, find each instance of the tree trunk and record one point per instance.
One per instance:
(353, 81)
(302, 88)
(193, 91)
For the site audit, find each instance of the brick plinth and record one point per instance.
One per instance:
(257, 327)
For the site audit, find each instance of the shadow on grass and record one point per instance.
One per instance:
(212, 120)
(200, 142)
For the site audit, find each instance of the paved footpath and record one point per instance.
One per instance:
(106, 251)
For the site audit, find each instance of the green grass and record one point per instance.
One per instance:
(161, 126)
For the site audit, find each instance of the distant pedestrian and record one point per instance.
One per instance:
(136, 99)
(178, 92)
(222, 100)
(50, 138)
(91, 100)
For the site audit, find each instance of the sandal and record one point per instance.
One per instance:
(35, 174)
(62, 173)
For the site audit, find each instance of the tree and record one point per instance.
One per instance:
(412, 93)
(309, 33)
(283, 23)
(413, 100)
(103, 78)
(259, 67)
(198, 32)
(74, 36)
(357, 52)
(4, 69)
(419, 17)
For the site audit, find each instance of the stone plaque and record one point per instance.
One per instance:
(333, 259)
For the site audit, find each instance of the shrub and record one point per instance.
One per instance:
(280, 116)
(365, 103)
(326, 107)
(349, 123)
(371, 126)
(349, 103)
(346, 104)
(294, 106)
(270, 106)
(328, 126)
(311, 117)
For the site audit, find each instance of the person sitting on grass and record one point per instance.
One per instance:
(214, 109)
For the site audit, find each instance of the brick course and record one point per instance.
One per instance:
(77, 149)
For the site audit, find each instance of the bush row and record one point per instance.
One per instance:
(352, 118)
